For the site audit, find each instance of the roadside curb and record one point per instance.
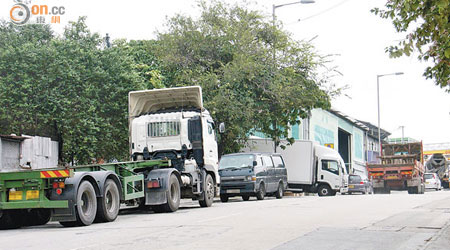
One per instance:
(441, 240)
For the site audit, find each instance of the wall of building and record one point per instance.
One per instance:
(324, 128)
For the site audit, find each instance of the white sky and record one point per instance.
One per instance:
(343, 27)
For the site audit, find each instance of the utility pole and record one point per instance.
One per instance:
(274, 18)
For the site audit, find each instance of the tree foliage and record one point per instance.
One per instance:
(68, 88)
(430, 21)
(74, 89)
(228, 51)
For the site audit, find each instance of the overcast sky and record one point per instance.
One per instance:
(345, 28)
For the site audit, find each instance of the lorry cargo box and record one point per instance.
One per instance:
(27, 152)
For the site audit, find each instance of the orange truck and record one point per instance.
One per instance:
(401, 168)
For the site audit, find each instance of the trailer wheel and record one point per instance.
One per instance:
(86, 204)
(280, 191)
(9, 219)
(109, 205)
(261, 192)
(224, 198)
(38, 217)
(208, 192)
(324, 190)
(173, 197)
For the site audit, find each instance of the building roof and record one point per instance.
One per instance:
(14, 137)
(373, 130)
(349, 119)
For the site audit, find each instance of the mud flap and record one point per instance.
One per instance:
(158, 196)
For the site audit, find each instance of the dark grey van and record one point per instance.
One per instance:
(252, 174)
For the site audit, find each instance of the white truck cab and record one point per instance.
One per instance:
(330, 170)
(173, 124)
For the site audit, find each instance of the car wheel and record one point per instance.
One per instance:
(246, 197)
(261, 192)
(223, 198)
(279, 193)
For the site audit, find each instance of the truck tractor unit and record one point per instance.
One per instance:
(401, 168)
(174, 155)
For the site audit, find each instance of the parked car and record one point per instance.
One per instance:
(432, 181)
(358, 183)
(252, 174)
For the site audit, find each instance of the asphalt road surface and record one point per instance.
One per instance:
(395, 221)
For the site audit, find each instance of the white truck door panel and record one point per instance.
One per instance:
(329, 172)
(209, 143)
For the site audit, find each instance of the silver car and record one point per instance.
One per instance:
(432, 181)
(359, 184)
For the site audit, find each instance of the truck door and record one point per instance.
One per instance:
(210, 144)
(329, 173)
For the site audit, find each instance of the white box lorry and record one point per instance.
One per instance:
(310, 167)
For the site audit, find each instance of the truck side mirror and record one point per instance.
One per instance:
(222, 128)
(255, 163)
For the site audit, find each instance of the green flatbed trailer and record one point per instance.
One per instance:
(34, 197)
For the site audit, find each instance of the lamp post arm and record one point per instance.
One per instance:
(286, 4)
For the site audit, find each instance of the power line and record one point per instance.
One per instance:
(321, 12)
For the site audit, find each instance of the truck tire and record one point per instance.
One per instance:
(209, 192)
(38, 217)
(280, 191)
(324, 190)
(109, 205)
(86, 208)
(261, 192)
(422, 188)
(9, 219)
(173, 197)
(246, 197)
(224, 198)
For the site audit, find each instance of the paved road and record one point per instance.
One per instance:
(396, 221)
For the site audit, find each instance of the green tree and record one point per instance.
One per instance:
(145, 61)
(67, 88)
(228, 51)
(427, 23)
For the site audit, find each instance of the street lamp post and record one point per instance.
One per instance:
(378, 101)
(274, 7)
(286, 4)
